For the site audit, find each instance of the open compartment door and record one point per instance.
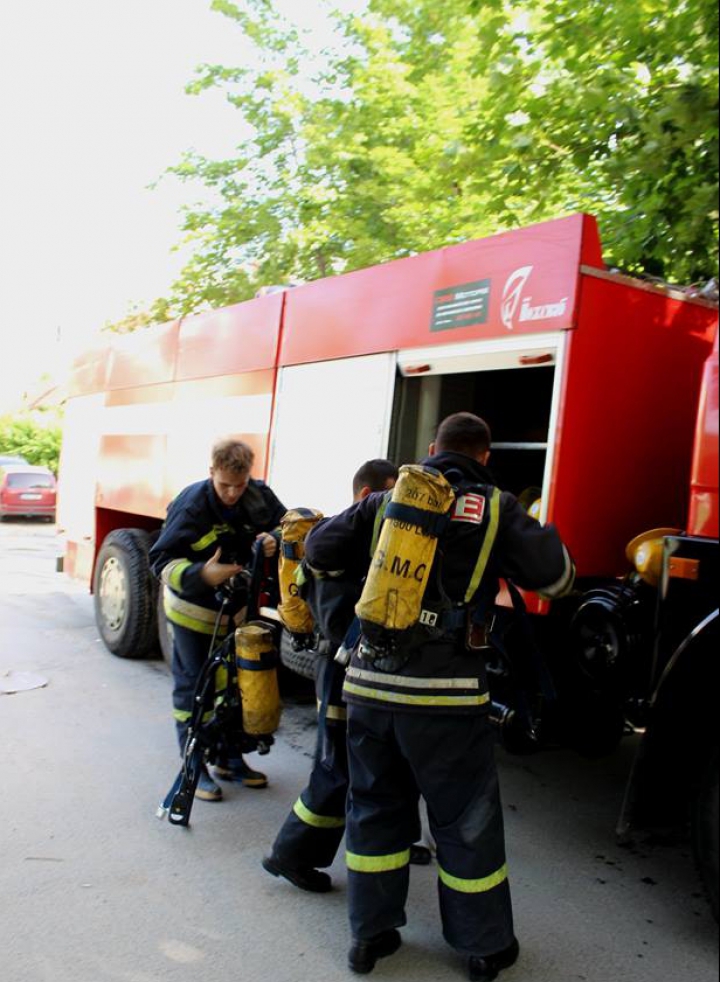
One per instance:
(330, 417)
(514, 384)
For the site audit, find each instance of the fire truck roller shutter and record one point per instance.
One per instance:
(125, 594)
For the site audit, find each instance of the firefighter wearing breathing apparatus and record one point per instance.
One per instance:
(417, 692)
(310, 837)
(199, 557)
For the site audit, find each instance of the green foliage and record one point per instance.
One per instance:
(434, 123)
(36, 436)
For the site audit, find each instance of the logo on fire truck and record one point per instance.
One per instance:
(514, 301)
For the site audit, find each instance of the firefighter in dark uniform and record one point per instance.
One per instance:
(312, 832)
(207, 539)
(418, 719)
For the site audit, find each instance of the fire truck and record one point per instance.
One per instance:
(601, 392)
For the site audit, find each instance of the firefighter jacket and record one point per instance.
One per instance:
(197, 525)
(490, 536)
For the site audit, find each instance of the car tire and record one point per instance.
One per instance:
(125, 594)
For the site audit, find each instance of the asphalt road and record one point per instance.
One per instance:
(93, 888)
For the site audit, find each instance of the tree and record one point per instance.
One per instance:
(37, 436)
(433, 123)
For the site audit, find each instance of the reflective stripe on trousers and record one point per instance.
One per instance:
(450, 760)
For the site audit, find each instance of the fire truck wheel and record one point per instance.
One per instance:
(300, 662)
(705, 822)
(125, 594)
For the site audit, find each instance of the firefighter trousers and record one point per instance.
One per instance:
(191, 650)
(450, 760)
(312, 832)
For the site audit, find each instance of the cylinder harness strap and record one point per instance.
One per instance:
(488, 543)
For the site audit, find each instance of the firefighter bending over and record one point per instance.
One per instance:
(207, 539)
(312, 832)
(417, 692)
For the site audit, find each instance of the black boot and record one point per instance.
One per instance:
(364, 954)
(308, 879)
(488, 967)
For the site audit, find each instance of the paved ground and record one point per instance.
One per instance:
(94, 888)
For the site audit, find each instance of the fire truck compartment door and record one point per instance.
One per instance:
(330, 417)
(525, 351)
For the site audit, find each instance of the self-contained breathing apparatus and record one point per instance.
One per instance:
(396, 611)
(236, 706)
(293, 609)
(407, 529)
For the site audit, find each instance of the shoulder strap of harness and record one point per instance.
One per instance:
(379, 519)
(488, 543)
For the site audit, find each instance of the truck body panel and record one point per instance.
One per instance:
(516, 327)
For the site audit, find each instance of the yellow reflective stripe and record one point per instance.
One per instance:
(482, 885)
(200, 627)
(411, 681)
(173, 573)
(377, 864)
(563, 586)
(490, 536)
(317, 821)
(184, 717)
(212, 536)
(332, 712)
(404, 699)
(188, 614)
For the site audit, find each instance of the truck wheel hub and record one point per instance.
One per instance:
(113, 594)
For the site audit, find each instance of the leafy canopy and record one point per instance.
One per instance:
(37, 436)
(433, 123)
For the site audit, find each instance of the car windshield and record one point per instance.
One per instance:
(30, 481)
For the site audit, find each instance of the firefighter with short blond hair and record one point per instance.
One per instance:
(207, 539)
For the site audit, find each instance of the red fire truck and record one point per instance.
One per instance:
(591, 382)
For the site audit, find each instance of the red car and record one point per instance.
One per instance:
(27, 491)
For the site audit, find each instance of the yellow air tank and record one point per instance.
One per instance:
(293, 610)
(395, 585)
(256, 661)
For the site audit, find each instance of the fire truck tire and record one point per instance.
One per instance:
(705, 823)
(125, 594)
(300, 662)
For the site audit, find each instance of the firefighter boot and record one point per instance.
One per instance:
(235, 769)
(488, 968)
(207, 789)
(364, 954)
(308, 879)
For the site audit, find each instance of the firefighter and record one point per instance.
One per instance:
(418, 710)
(312, 832)
(206, 541)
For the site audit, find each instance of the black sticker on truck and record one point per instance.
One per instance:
(461, 306)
